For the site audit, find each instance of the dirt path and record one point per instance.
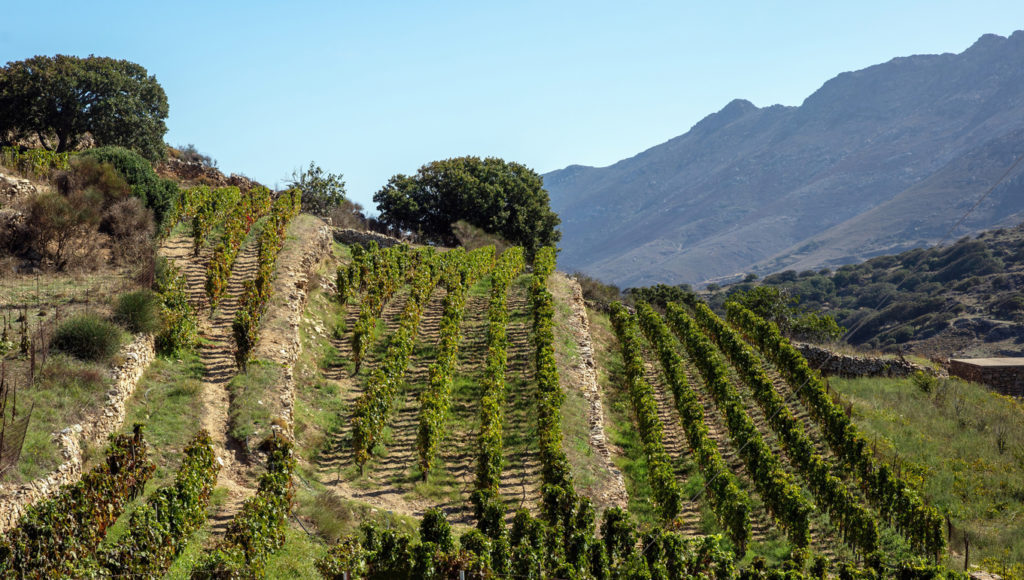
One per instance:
(217, 356)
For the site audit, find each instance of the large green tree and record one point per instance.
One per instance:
(61, 98)
(500, 197)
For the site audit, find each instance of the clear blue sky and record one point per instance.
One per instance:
(370, 89)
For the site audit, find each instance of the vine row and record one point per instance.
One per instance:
(641, 393)
(558, 491)
(900, 505)
(856, 524)
(462, 273)
(490, 512)
(376, 274)
(54, 535)
(237, 223)
(159, 530)
(781, 494)
(730, 503)
(373, 409)
(256, 293)
(257, 531)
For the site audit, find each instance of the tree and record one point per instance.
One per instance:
(321, 192)
(64, 97)
(503, 198)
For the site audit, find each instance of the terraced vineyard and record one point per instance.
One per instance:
(442, 387)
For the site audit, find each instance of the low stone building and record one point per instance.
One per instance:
(1005, 375)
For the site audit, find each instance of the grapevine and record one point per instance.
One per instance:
(780, 492)
(730, 503)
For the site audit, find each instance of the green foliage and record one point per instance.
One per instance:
(159, 530)
(500, 197)
(156, 193)
(460, 271)
(258, 529)
(180, 326)
(559, 494)
(780, 492)
(895, 500)
(778, 306)
(64, 97)
(139, 311)
(490, 460)
(255, 298)
(373, 409)
(663, 479)
(87, 337)
(859, 528)
(661, 294)
(730, 503)
(35, 163)
(435, 528)
(54, 535)
(321, 191)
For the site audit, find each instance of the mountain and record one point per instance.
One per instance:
(876, 161)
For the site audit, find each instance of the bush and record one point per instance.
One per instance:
(139, 311)
(158, 194)
(87, 337)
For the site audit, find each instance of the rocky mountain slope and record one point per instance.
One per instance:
(876, 161)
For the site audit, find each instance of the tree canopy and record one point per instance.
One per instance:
(500, 197)
(321, 191)
(61, 98)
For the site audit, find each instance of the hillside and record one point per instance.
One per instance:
(956, 300)
(316, 397)
(875, 161)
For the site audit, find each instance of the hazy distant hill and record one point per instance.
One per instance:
(875, 161)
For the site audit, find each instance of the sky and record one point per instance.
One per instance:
(373, 89)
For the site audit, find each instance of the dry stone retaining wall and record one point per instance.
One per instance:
(92, 431)
(587, 372)
(349, 236)
(291, 287)
(835, 364)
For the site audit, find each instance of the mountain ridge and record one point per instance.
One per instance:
(748, 186)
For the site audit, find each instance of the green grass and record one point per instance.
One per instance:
(961, 445)
(64, 391)
(254, 401)
(619, 426)
(167, 400)
(296, 557)
(194, 551)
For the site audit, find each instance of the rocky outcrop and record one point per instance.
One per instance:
(93, 431)
(836, 364)
(14, 188)
(348, 236)
(194, 173)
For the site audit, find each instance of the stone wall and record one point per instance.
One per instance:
(92, 431)
(1008, 380)
(586, 372)
(835, 364)
(291, 288)
(347, 236)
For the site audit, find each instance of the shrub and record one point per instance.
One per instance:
(139, 311)
(61, 229)
(158, 194)
(87, 337)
